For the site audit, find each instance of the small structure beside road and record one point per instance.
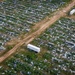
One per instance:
(72, 11)
(33, 48)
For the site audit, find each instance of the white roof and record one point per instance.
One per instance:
(34, 48)
(72, 11)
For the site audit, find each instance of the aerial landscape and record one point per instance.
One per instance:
(37, 37)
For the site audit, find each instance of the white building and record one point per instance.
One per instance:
(72, 11)
(34, 48)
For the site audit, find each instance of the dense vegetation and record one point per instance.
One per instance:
(57, 43)
(18, 16)
(56, 57)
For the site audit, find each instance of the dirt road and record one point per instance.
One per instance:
(40, 30)
(71, 17)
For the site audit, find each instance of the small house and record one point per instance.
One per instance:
(72, 11)
(33, 48)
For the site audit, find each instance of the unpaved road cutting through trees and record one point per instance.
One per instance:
(42, 28)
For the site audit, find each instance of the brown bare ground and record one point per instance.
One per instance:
(71, 17)
(40, 30)
(1, 0)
